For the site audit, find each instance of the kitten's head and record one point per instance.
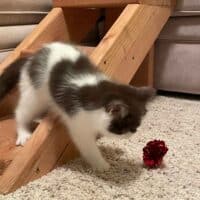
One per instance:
(126, 106)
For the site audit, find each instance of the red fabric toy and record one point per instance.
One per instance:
(153, 153)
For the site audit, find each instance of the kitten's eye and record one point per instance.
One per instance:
(117, 109)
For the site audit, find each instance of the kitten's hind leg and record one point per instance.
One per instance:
(29, 107)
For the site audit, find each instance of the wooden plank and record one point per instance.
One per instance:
(109, 3)
(144, 75)
(85, 49)
(52, 150)
(37, 157)
(51, 28)
(126, 44)
(70, 153)
(8, 149)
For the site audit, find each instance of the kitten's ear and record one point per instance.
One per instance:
(145, 93)
(117, 109)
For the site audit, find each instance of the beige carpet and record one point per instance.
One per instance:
(177, 121)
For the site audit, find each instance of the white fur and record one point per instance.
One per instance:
(88, 79)
(31, 104)
(83, 129)
(58, 52)
(61, 51)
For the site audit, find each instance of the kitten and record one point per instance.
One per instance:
(62, 79)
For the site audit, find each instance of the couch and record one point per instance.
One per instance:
(177, 50)
(17, 19)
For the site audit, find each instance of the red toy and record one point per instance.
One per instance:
(153, 153)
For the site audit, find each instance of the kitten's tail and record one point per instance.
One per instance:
(10, 76)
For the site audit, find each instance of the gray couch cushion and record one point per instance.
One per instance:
(13, 35)
(177, 66)
(177, 56)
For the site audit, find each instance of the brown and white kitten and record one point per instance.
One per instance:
(62, 79)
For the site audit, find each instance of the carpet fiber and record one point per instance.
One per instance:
(174, 120)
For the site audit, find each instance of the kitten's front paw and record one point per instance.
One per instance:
(22, 138)
(102, 167)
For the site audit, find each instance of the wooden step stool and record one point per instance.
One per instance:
(131, 28)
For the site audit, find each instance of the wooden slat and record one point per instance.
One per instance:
(39, 156)
(70, 153)
(8, 149)
(144, 75)
(85, 49)
(56, 142)
(126, 44)
(109, 3)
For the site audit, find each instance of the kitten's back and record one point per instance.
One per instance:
(43, 62)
